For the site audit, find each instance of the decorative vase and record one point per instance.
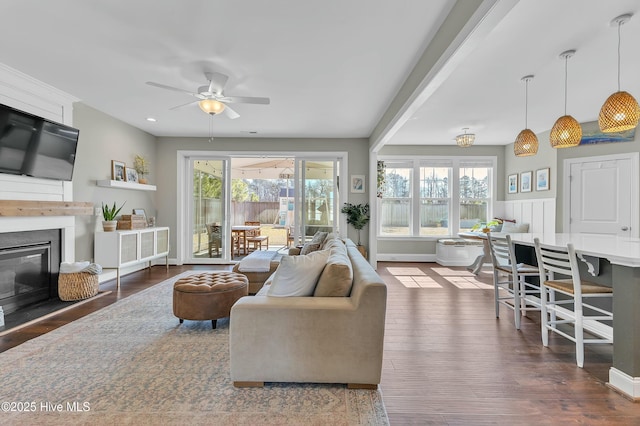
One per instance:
(143, 180)
(109, 225)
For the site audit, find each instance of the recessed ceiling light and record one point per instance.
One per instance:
(153, 120)
(251, 132)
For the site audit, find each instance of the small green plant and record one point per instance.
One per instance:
(357, 216)
(110, 213)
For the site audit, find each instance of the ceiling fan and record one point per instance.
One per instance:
(211, 98)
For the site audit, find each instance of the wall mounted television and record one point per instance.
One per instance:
(33, 146)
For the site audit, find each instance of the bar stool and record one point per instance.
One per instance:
(509, 279)
(555, 312)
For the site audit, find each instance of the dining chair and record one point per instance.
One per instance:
(214, 232)
(511, 287)
(564, 300)
(254, 238)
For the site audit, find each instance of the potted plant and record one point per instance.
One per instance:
(141, 165)
(357, 216)
(109, 214)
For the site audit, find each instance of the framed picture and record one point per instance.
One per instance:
(357, 183)
(131, 174)
(542, 179)
(117, 170)
(525, 181)
(512, 184)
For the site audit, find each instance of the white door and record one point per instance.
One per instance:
(602, 195)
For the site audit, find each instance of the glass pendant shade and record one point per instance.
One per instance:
(620, 112)
(526, 144)
(566, 132)
(211, 106)
(465, 140)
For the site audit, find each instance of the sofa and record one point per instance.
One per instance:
(329, 336)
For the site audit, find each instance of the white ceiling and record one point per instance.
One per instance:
(331, 68)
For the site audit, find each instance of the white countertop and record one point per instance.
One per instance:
(618, 250)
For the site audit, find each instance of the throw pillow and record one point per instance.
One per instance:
(337, 277)
(319, 237)
(298, 275)
(309, 248)
(512, 228)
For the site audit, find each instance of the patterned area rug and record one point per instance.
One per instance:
(133, 363)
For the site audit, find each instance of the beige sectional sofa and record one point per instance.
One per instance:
(310, 338)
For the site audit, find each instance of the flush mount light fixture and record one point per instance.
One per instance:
(566, 132)
(211, 106)
(465, 140)
(620, 111)
(526, 142)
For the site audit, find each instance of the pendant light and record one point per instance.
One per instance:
(465, 140)
(527, 142)
(620, 111)
(566, 132)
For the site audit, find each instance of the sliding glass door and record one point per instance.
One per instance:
(208, 229)
(317, 197)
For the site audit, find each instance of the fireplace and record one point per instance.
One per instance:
(29, 266)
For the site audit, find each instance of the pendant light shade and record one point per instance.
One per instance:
(211, 106)
(620, 111)
(465, 140)
(526, 142)
(566, 132)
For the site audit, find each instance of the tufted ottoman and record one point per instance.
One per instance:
(208, 295)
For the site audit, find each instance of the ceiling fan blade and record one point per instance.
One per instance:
(217, 81)
(175, 89)
(182, 105)
(230, 113)
(245, 100)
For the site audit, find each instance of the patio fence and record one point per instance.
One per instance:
(431, 215)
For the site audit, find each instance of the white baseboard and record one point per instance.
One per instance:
(399, 257)
(622, 382)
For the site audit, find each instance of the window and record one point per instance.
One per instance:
(451, 196)
(396, 199)
(434, 200)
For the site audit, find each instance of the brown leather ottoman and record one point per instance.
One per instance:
(208, 296)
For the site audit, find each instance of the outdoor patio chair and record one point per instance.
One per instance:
(254, 239)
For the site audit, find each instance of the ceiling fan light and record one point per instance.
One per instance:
(620, 112)
(565, 133)
(526, 144)
(211, 106)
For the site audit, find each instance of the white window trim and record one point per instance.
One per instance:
(454, 198)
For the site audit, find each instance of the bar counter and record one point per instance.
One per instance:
(623, 253)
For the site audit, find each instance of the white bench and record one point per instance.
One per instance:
(458, 251)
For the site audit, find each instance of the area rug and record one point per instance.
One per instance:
(133, 363)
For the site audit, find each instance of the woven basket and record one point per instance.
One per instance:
(77, 286)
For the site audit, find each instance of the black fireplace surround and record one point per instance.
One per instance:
(29, 267)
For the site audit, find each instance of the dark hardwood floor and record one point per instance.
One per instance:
(448, 360)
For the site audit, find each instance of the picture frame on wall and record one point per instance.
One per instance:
(512, 183)
(117, 170)
(525, 181)
(131, 174)
(357, 184)
(542, 179)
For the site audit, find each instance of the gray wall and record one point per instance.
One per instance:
(408, 246)
(102, 139)
(168, 147)
(546, 157)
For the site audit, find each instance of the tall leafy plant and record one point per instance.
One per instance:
(357, 216)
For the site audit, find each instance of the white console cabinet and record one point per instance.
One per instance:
(120, 249)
